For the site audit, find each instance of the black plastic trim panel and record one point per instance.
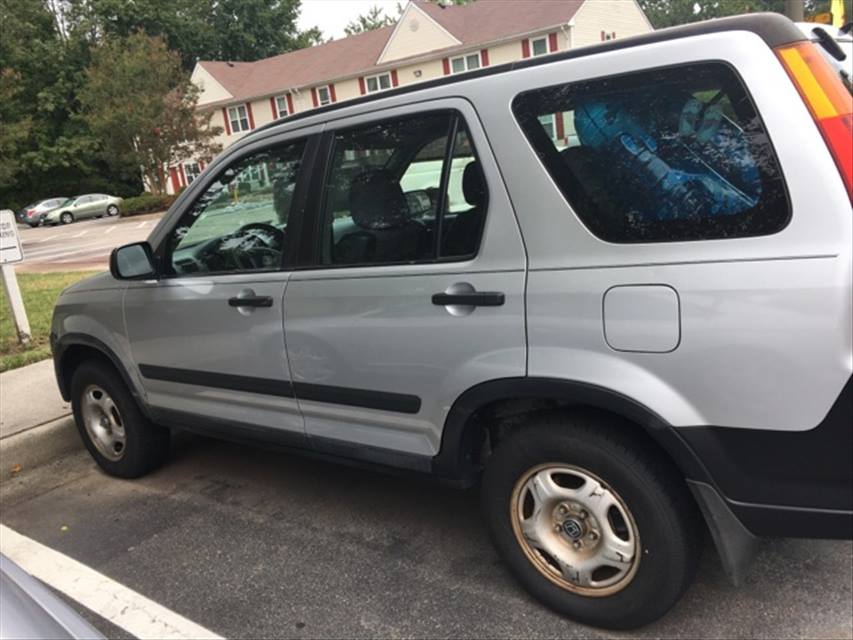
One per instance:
(366, 398)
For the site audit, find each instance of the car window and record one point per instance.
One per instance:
(239, 223)
(663, 155)
(390, 194)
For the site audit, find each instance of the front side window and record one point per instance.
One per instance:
(465, 63)
(324, 96)
(392, 196)
(239, 118)
(663, 155)
(240, 221)
(539, 46)
(379, 83)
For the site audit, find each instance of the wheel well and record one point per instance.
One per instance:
(73, 357)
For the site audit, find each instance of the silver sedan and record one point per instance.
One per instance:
(91, 205)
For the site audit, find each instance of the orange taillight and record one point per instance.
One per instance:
(828, 100)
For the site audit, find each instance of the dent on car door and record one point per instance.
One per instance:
(208, 337)
(404, 307)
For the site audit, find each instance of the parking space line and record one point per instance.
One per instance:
(110, 230)
(119, 605)
(82, 233)
(142, 224)
(46, 239)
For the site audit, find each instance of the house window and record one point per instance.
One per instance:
(539, 46)
(281, 106)
(191, 171)
(549, 124)
(465, 63)
(324, 95)
(378, 83)
(239, 118)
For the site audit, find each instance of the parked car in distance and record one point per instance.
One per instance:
(90, 205)
(34, 213)
(623, 305)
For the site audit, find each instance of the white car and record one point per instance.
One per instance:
(824, 35)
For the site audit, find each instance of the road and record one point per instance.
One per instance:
(82, 245)
(253, 543)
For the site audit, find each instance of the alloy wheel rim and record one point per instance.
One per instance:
(575, 529)
(103, 423)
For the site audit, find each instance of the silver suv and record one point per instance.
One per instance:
(613, 287)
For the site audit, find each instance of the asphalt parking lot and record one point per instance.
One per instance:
(82, 245)
(253, 543)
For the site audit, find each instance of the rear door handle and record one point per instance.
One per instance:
(472, 299)
(250, 301)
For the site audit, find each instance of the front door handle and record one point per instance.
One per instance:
(250, 301)
(470, 299)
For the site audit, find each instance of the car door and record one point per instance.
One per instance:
(402, 306)
(207, 337)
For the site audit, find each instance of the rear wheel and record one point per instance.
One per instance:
(115, 432)
(66, 218)
(594, 526)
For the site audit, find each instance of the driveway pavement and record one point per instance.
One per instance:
(254, 543)
(82, 245)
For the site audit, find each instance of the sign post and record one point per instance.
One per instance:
(11, 252)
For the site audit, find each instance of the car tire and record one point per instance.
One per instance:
(66, 218)
(119, 437)
(652, 503)
(112, 210)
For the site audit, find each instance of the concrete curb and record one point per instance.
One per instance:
(39, 445)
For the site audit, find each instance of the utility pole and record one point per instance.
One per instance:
(794, 10)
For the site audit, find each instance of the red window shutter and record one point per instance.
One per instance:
(173, 175)
(314, 96)
(603, 36)
(183, 176)
(289, 103)
(552, 42)
(361, 87)
(201, 165)
(484, 57)
(394, 78)
(525, 48)
(272, 107)
(225, 119)
(332, 93)
(446, 64)
(613, 36)
(249, 113)
(561, 126)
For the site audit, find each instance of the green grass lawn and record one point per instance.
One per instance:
(39, 291)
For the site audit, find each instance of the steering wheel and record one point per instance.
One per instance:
(270, 243)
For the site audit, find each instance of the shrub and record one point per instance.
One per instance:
(146, 203)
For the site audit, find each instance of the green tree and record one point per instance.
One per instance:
(375, 18)
(667, 13)
(141, 106)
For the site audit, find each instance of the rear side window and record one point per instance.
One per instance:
(664, 155)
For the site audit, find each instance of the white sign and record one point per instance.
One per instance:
(10, 244)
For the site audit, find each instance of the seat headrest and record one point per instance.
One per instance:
(376, 201)
(473, 185)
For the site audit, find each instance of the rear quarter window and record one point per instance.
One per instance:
(664, 155)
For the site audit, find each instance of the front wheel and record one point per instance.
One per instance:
(593, 525)
(116, 433)
(112, 210)
(66, 218)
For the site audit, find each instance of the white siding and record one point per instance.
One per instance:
(416, 33)
(624, 17)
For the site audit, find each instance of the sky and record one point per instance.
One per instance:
(333, 15)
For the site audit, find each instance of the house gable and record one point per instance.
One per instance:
(416, 33)
(210, 88)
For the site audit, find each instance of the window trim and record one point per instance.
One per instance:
(231, 120)
(313, 239)
(784, 194)
(299, 209)
(328, 89)
(464, 57)
(376, 77)
(544, 38)
(281, 113)
(187, 172)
